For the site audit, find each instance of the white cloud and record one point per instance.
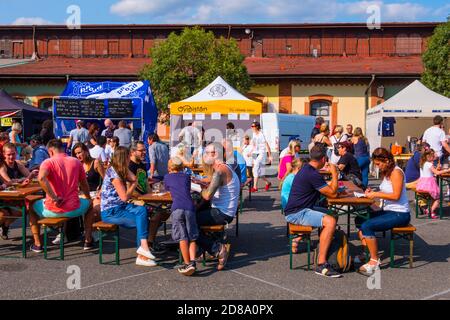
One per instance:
(269, 11)
(31, 21)
(403, 11)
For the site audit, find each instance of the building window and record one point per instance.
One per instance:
(76, 47)
(46, 104)
(321, 108)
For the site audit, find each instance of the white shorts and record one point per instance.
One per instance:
(258, 165)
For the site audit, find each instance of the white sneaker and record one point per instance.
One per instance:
(146, 263)
(145, 253)
(58, 239)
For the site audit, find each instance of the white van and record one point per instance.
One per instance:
(279, 127)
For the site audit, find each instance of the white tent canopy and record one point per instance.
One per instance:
(413, 109)
(219, 89)
(415, 100)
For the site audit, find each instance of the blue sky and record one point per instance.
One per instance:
(219, 11)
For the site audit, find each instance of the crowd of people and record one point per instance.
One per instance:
(101, 176)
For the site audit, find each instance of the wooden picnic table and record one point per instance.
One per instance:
(162, 197)
(17, 198)
(348, 204)
(197, 170)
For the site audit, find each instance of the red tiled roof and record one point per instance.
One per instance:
(257, 67)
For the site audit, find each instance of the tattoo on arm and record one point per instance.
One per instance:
(216, 181)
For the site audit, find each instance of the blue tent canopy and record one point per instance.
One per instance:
(132, 101)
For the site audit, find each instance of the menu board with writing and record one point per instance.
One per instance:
(120, 108)
(67, 108)
(92, 108)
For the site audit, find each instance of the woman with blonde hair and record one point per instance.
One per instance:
(286, 161)
(14, 138)
(338, 136)
(361, 152)
(118, 187)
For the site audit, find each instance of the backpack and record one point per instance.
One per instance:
(338, 254)
(335, 149)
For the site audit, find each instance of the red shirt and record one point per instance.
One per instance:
(64, 176)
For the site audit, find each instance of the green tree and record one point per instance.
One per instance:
(184, 64)
(436, 61)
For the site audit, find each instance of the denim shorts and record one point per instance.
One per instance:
(308, 217)
(184, 225)
(43, 212)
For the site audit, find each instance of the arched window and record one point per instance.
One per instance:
(321, 108)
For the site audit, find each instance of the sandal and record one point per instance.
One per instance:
(370, 268)
(295, 243)
(223, 256)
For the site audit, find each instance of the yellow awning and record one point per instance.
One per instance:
(221, 106)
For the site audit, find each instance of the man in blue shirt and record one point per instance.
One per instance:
(306, 189)
(40, 152)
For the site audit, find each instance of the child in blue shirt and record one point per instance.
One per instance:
(286, 184)
(184, 222)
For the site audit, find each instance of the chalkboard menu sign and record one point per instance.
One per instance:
(94, 108)
(120, 108)
(67, 108)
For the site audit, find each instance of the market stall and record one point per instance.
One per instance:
(97, 101)
(30, 117)
(405, 116)
(211, 109)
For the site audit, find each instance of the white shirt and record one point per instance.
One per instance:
(246, 148)
(191, 136)
(259, 143)
(402, 204)
(109, 151)
(98, 152)
(434, 136)
(425, 171)
(226, 198)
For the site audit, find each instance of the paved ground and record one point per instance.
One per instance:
(257, 269)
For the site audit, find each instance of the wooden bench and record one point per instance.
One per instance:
(54, 223)
(402, 233)
(103, 227)
(305, 233)
(421, 196)
(220, 228)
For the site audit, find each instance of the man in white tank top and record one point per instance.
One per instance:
(223, 192)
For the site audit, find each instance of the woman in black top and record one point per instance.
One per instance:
(348, 164)
(12, 172)
(47, 131)
(94, 173)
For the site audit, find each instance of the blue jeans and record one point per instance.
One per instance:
(382, 221)
(129, 216)
(364, 163)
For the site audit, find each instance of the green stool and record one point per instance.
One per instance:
(216, 229)
(402, 233)
(305, 233)
(54, 223)
(103, 227)
(424, 196)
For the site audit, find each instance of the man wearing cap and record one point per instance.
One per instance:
(79, 134)
(40, 152)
